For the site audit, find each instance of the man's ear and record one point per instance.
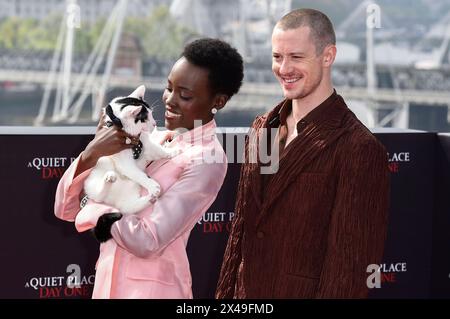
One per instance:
(329, 55)
(220, 100)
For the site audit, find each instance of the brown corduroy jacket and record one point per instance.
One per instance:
(311, 229)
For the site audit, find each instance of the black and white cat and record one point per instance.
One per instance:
(116, 180)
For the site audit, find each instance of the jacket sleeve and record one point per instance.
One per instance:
(67, 203)
(233, 255)
(358, 224)
(175, 212)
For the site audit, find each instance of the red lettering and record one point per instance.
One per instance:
(85, 290)
(212, 227)
(82, 291)
(388, 277)
(45, 292)
(68, 292)
(393, 167)
(207, 227)
(48, 173)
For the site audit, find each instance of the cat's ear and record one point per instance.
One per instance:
(138, 93)
(133, 110)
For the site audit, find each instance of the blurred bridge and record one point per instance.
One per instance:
(412, 86)
(384, 91)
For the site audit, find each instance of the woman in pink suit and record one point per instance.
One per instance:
(144, 255)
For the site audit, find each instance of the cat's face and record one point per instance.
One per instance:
(133, 112)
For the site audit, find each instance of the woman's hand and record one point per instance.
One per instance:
(107, 141)
(168, 137)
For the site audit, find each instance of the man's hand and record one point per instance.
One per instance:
(102, 230)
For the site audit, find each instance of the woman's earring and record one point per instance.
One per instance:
(213, 110)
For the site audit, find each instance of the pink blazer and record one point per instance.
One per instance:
(147, 256)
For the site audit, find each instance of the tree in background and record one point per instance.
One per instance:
(159, 34)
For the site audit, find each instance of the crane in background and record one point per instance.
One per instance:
(69, 97)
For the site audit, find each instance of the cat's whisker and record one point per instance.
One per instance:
(155, 103)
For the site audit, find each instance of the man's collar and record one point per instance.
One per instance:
(324, 112)
(314, 115)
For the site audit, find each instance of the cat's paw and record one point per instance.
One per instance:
(154, 191)
(173, 152)
(154, 196)
(110, 177)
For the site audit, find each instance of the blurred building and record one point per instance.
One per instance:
(90, 10)
(247, 24)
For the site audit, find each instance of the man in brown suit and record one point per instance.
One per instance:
(311, 229)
